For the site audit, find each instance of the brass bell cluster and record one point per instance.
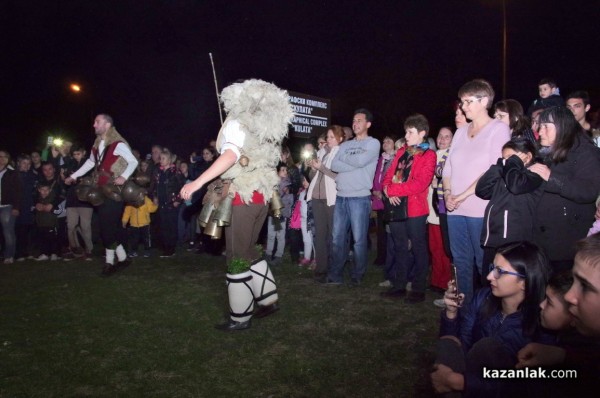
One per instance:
(87, 191)
(213, 219)
(130, 192)
(276, 204)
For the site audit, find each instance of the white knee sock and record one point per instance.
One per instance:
(121, 255)
(110, 256)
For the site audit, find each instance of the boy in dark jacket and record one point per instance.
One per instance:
(46, 222)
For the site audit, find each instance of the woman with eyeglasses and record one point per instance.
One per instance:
(570, 167)
(510, 112)
(500, 320)
(475, 147)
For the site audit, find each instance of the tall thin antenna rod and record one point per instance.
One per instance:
(216, 87)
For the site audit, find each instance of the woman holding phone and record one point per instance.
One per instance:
(500, 320)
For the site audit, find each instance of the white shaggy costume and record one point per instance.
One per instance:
(258, 115)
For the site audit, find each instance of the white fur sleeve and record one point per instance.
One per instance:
(234, 138)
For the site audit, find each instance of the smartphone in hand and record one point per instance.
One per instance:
(455, 278)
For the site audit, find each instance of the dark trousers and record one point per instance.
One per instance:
(323, 215)
(48, 240)
(445, 236)
(415, 229)
(381, 239)
(112, 232)
(139, 236)
(168, 227)
(24, 233)
(63, 239)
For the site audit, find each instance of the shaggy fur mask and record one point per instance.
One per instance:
(261, 107)
(264, 113)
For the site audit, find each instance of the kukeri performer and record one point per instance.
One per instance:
(250, 145)
(114, 162)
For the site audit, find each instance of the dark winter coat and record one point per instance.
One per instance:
(167, 183)
(11, 189)
(566, 209)
(28, 181)
(513, 192)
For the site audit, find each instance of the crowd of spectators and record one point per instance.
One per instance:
(491, 213)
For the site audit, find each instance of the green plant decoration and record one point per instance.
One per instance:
(238, 266)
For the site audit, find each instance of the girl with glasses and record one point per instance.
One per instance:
(500, 320)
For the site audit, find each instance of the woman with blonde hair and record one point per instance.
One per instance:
(166, 186)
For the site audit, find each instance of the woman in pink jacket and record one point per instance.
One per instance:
(409, 175)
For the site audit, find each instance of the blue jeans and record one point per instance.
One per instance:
(350, 214)
(467, 253)
(8, 229)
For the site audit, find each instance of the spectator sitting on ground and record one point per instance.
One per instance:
(500, 320)
(582, 300)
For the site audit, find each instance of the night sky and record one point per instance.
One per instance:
(146, 62)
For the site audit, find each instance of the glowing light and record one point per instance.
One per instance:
(57, 142)
(308, 154)
(75, 88)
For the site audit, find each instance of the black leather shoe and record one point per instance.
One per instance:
(231, 326)
(108, 269)
(266, 310)
(414, 298)
(123, 264)
(394, 293)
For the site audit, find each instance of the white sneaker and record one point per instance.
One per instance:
(9, 260)
(386, 283)
(42, 257)
(439, 303)
(21, 259)
(54, 257)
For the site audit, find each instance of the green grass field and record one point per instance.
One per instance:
(148, 331)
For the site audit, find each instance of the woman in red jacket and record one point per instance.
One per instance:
(410, 175)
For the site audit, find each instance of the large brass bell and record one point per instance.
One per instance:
(86, 181)
(205, 214)
(112, 192)
(95, 197)
(82, 192)
(223, 213)
(276, 204)
(213, 230)
(133, 193)
(142, 179)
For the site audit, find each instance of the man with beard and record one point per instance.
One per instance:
(114, 163)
